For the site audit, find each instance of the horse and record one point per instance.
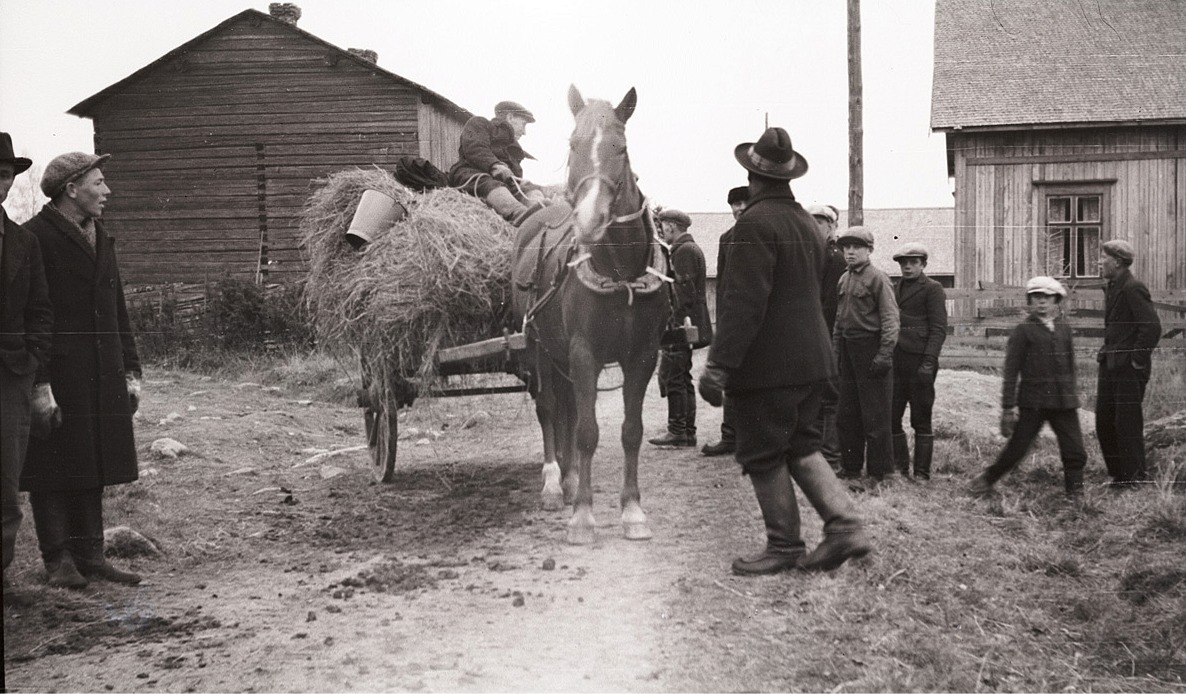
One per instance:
(588, 289)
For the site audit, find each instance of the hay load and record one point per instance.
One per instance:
(439, 277)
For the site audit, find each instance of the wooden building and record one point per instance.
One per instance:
(215, 144)
(1066, 127)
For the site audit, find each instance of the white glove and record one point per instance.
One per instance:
(134, 392)
(46, 415)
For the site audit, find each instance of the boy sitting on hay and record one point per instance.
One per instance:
(491, 163)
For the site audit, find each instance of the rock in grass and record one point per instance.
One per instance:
(122, 541)
(169, 448)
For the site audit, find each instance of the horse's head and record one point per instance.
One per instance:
(599, 172)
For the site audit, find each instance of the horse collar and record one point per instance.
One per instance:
(647, 283)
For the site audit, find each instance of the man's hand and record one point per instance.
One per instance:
(926, 372)
(1008, 422)
(502, 172)
(713, 381)
(880, 366)
(134, 392)
(46, 415)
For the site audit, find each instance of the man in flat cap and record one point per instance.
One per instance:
(490, 163)
(864, 337)
(772, 357)
(26, 326)
(737, 199)
(922, 313)
(94, 375)
(675, 362)
(1131, 331)
(827, 217)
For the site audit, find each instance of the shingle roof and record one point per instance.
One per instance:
(1031, 62)
(933, 227)
(86, 107)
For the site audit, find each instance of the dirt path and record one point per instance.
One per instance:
(284, 575)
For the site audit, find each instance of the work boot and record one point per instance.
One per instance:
(527, 212)
(62, 573)
(104, 570)
(670, 440)
(924, 450)
(502, 201)
(844, 537)
(1073, 480)
(901, 454)
(721, 447)
(981, 485)
(780, 512)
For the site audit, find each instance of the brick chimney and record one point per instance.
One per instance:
(366, 54)
(286, 12)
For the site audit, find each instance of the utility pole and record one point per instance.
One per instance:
(856, 128)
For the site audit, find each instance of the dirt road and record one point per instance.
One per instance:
(287, 572)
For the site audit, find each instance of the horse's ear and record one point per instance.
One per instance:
(626, 109)
(575, 101)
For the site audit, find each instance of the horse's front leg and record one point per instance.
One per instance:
(545, 411)
(583, 371)
(635, 376)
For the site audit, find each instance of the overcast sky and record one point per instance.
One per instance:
(708, 74)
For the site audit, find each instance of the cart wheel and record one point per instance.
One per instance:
(382, 425)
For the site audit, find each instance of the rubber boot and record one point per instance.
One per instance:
(844, 537)
(924, 449)
(506, 205)
(901, 454)
(1073, 479)
(62, 573)
(780, 512)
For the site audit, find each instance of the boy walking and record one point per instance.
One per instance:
(864, 337)
(922, 305)
(1040, 381)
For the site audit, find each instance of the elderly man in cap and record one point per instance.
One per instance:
(864, 337)
(1131, 332)
(675, 364)
(922, 312)
(94, 375)
(827, 216)
(737, 198)
(771, 356)
(26, 326)
(491, 163)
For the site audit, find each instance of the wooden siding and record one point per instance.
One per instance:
(1002, 179)
(215, 150)
(440, 137)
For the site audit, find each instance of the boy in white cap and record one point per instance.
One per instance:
(1040, 381)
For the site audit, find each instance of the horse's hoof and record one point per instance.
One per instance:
(582, 527)
(552, 502)
(636, 531)
(552, 495)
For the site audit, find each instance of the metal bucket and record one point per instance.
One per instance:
(376, 213)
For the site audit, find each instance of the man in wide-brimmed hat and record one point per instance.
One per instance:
(490, 163)
(94, 375)
(772, 355)
(1131, 332)
(26, 325)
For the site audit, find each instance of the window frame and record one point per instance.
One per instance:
(1072, 189)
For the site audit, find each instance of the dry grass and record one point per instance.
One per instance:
(438, 278)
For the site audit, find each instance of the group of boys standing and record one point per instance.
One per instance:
(861, 350)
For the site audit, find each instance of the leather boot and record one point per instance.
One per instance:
(86, 543)
(780, 512)
(844, 537)
(902, 454)
(62, 573)
(502, 201)
(924, 449)
(93, 564)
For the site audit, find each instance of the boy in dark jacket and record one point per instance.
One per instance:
(1040, 381)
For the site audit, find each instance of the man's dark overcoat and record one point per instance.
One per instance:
(770, 327)
(26, 316)
(485, 143)
(92, 351)
(1131, 325)
(687, 260)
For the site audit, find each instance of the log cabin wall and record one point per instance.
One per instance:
(215, 147)
(1003, 180)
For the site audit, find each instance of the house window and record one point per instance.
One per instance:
(1073, 235)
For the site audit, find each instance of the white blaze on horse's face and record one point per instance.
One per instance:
(597, 163)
